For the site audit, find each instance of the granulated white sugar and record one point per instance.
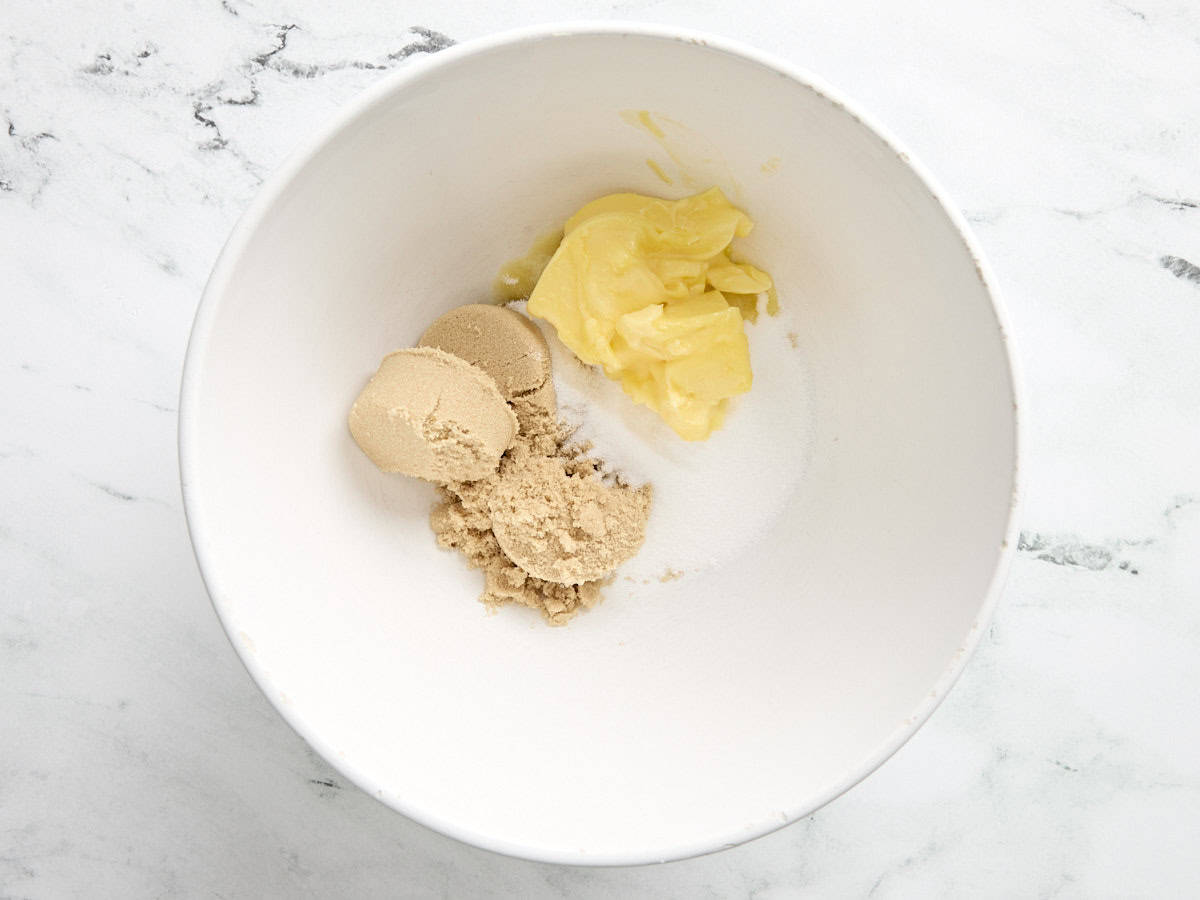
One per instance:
(712, 498)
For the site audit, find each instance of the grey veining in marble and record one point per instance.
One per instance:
(138, 759)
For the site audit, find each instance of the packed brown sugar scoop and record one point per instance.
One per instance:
(472, 409)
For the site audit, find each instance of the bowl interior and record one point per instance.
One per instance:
(677, 717)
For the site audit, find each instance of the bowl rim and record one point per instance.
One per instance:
(198, 527)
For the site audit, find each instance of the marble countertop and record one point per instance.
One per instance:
(138, 759)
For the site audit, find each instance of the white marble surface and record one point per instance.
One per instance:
(138, 759)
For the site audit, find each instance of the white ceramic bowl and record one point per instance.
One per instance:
(676, 718)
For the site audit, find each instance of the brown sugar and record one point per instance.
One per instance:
(500, 341)
(432, 415)
(545, 528)
(564, 528)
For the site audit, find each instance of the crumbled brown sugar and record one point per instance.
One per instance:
(553, 510)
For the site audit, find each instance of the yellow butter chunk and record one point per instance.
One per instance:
(638, 285)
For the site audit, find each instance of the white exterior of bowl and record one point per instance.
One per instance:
(675, 719)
